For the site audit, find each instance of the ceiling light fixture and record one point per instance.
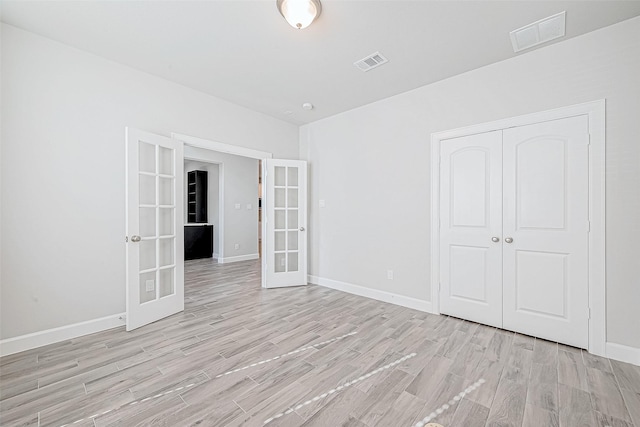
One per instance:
(299, 13)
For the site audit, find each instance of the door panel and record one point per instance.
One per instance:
(546, 216)
(284, 262)
(470, 215)
(155, 278)
(541, 283)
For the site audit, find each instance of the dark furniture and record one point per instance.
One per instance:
(198, 241)
(197, 197)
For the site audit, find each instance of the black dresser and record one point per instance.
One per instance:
(198, 241)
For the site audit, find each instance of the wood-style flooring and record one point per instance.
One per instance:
(175, 372)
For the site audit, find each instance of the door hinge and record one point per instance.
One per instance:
(589, 313)
(126, 239)
(589, 225)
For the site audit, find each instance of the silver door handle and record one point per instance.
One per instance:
(508, 239)
(301, 228)
(495, 239)
(135, 238)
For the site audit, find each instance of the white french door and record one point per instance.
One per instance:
(284, 261)
(514, 229)
(155, 238)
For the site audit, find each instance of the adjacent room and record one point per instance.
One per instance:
(320, 212)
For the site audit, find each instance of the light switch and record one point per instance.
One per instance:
(237, 205)
(249, 207)
(322, 205)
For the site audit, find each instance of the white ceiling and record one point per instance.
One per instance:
(245, 52)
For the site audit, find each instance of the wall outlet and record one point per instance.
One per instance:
(237, 205)
(237, 245)
(322, 203)
(390, 274)
(249, 207)
(150, 285)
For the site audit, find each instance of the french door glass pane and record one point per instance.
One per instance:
(280, 241)
(292, 199)
(165, 161)
(165, 248)
(166, 191)
(144, 278)
(280, 222)
(292, 237)
(147, 222)
(280, 176)
(292, 219)
(292, 180)
(280, 260)
(166, 278)
(165, 218)
(280, 201)
(147, 157)
(293, 261)
(147, 254)
(147, 190)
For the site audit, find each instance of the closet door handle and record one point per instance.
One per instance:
(135, 239)
(508, 240)
(495, 239)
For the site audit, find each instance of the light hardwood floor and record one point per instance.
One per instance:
(172, 372)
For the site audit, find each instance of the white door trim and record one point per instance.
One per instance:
(221, 147)
(597, 290)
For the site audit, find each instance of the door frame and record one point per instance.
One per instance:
(236, 150)
(595, 111)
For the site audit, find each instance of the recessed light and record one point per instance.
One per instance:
(307, 106)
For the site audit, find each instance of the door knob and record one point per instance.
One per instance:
(301, 228)
(135, 238)
(495, 239)
(508, 240)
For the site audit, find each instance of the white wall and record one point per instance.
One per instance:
(63, 170)
(240, 186)
(371, 165)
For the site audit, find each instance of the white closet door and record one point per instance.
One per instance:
(545, 220)
(470, 217)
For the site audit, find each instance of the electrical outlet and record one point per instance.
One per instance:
(322, 203)
(249, 207)
(150, 285)
(237, 206)
(237, 245)
(390, 274)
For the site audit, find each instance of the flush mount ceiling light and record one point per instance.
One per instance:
(299, 13)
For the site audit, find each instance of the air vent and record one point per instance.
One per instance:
(370, 62)
(539, 32)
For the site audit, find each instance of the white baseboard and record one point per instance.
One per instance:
(63, 333)
(216, 256)
(623, 353)
(384, 296)
(237, 258)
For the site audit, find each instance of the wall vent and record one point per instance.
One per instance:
(539, 32)
(370, 62)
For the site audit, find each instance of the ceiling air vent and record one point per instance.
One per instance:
(539, 32)
(370, 62)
